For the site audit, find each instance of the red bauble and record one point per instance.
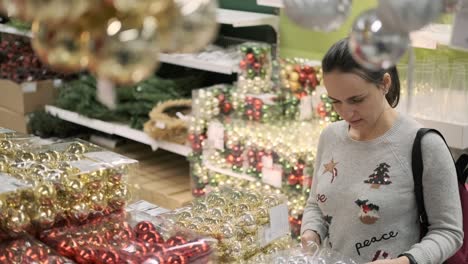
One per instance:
(150, 237)
(175, 258)
(227, 107)
(154, 259)
(257, 66)
(312, 80)
(55, 260)
(67, 247)
(292, 179)
(139, 248)
(298, 68)
(126, 234)
(242, 64)
(221, 98)
(308, 69)
(144, 226)
(36, 254)
(250, 58)
(175, 241)
(108, 256)
(86, 255)
(302, 77)
(157, 248)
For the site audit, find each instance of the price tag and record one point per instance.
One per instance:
(160, 125)
(267, 162)
(306, 108)
(10, 184)
(29, 87)
(216, 135)
(273, 175)
(149, 208)
(460, 25)
(279, 225)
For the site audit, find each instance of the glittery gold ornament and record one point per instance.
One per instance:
(227, 231)
(44, 157)
(17, 221)
(79, 211)
(248, 223)
(6, 145)
(62, 46)
(76, 148)
(184, 215)
(3, 166)
(198, 25)
(97, 201)
(23, 156)
(44, 217)
(48, 10)
(124, 50)
(262, 216)
(147, 7)
(200, 207)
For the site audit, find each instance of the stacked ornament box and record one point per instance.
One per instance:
(57, 184)
(248, 224)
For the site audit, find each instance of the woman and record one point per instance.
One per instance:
(362, 200)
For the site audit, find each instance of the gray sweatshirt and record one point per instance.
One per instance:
(363, 200)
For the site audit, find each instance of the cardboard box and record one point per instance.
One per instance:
(14, 121)
(26, 97)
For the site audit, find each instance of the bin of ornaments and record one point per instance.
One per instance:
(64, 182)
(135, 237)
(255, 68)
(246, 223)
(325, 110)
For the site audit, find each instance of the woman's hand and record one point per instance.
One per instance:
(310, 236)
(400, 260)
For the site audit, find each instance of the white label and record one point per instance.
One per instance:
(306, 108)
(216, 135)
(267, 162)
(149, 208)
(279, 225)
(160, 125)
(106, 93)
(29, 87)
(460, 25)
(272, 176)
(109, 157)
(10, 184)
(57, 83)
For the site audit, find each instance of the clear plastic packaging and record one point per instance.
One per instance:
(133, 238)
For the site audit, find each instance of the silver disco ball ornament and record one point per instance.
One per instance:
(319, 15)
(408, 15)
(373, 46)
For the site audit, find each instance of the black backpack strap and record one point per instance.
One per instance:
(418, 168)
(461, 165)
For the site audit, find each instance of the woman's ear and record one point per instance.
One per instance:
(387, 82)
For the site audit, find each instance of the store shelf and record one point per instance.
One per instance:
(117, 129)
(272, 3)
(246, 19)
(228, 172)
(455, 134)
(191, 61)
(15, 31)
(431, 36)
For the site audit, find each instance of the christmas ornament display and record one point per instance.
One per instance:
(406, 15)
(28, 250)
(299, 78)
(318, 15)
(47, 185)
(117, 240)
(312, 253)
(117, 40)
(237, 219)
(255, 68)
(375, 46)
(325, 110)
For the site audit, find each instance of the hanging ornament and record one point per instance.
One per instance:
(197, 27)
(125, 50)
(61, 47)
(320, 15)
(374, 46)
(48, 10)
(408, 15)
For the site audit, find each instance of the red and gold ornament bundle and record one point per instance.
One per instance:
(299, 78)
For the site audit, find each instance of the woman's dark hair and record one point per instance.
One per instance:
(339, 58)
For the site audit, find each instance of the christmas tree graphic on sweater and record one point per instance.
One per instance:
(369, 212)
(380, 176)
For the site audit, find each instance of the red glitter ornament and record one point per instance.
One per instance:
(176, 241)
(150, 237)
(66, 247)
(144, 226)
(36, 254)
(86, 255)
(176, 258)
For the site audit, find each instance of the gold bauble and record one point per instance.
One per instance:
(44, 217)
(60, 46)
(124, 50)
(44, 157)
(23, 156)
(198, 25)
(294, 86)
(17, 221)
(5, 145)
(79, 211)
(45, 193)
(76, 148)
(262, 215)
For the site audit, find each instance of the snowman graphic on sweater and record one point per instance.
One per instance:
(369, 213)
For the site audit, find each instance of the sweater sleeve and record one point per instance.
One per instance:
(313, 218)
(442, 202)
